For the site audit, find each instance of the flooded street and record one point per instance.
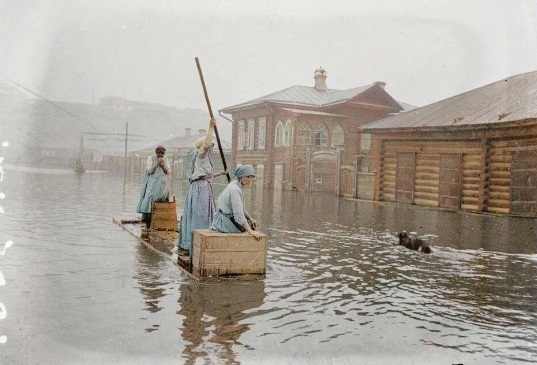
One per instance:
(338, 290)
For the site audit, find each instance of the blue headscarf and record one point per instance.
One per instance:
(244, 170)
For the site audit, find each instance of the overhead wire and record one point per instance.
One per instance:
(81, 119)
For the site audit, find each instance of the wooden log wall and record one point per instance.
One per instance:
(499, 178)
(499, 158)
(388, 165)
(489, 181)
(427, 179)
(472, 168)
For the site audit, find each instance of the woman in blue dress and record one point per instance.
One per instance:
(199, 204)
(155, 184)
(231, 216)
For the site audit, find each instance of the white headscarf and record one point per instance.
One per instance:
(244, 170)
(199, 142)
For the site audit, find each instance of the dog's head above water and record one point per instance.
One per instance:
(413, 243)
(401, 236)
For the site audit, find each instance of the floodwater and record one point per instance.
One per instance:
(80, 290)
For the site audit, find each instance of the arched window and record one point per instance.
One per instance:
(287, 134)
(304, 134)
(279, 134)
(338, 136)
(320, 135)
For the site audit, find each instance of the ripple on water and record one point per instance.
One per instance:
(337, 281)
(347, 275)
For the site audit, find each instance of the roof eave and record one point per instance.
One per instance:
(481, 126)
(276, 103)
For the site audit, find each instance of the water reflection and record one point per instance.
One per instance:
(216, 315)
(151, 284)
(337, 289)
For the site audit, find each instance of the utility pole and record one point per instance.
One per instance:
(126, 161)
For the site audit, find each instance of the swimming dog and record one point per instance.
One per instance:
(413, 243)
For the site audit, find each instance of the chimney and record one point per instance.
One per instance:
(382, 84)
(320, 79)
(187, 131)
(202, 131)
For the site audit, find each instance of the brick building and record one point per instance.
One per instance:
(309, 138)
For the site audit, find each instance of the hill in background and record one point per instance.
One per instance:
(32, 124)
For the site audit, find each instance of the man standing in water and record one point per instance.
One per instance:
(155, 184)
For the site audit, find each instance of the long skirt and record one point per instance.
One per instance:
(198, 211)
(154, 189)
(225, 224)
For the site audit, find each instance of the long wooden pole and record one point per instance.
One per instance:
(212, 116)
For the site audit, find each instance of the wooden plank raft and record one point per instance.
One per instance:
(163, 242)
(214, 254)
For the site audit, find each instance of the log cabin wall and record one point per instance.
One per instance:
(504, 182)
(485, 181)
(427, 170)
(476, 151)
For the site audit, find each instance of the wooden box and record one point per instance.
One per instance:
(216, 253)
(164, 216)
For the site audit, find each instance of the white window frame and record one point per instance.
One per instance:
(261, 133)
(240, 135)
(287, 133)
(365, 141)
(304, 141)
(250, 133)
(279, 134)
(246, 140)
(338, 131)
(320, 129)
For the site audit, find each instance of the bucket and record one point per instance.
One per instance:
(164, 216)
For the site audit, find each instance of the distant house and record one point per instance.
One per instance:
(48, 132)
(476, 151)
(178, 151)
(308, 138)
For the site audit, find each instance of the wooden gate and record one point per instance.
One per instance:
(300, 178)
(323, 171)
(524, 183)
(405, 176)
(449, 189)
(346, 181)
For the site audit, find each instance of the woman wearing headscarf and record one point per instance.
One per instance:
(199, 204)
(231, 216)
(155, 184)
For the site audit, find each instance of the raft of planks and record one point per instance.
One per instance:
(214, 254)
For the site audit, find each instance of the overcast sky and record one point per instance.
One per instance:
(80, 50)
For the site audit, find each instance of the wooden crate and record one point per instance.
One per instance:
(164, 216)
(216, 253)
